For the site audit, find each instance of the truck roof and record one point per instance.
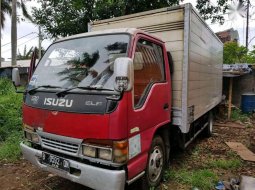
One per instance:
(131, 31)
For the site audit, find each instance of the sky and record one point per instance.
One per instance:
(28, 32)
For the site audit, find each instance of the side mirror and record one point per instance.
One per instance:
(124, 74)
(16, 77)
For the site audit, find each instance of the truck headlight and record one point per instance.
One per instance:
(105, 154)
(116, 151)
(31, 136)
(88, 150)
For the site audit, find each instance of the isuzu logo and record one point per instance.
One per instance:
(58, 102)
(35, 99)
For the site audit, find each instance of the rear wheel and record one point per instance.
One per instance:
(155, 165)
(209, 128)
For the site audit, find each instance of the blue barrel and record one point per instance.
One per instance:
(248, 102)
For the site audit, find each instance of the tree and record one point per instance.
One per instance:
(26, 54)
(64, 17)
(68, 17)
(5, 9)
(15, 4)
(251, 56)
(234, 53)
(216, 11)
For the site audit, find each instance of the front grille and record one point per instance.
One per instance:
(60, 145)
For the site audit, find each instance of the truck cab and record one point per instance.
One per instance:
(97, 109)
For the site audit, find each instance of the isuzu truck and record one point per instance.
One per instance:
(104, 108)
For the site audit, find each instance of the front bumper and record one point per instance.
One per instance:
(91, 176)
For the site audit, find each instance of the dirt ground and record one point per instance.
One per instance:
(22, 175)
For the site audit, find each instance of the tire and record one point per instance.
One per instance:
(155, 164)
(209, 128)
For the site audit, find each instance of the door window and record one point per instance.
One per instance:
(148, 69)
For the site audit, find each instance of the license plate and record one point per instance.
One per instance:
(55, 162)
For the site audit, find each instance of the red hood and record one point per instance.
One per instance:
(77, 125)
(68, 124)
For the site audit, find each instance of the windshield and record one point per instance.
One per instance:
(81, 62)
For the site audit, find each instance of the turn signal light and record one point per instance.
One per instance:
(120, 151)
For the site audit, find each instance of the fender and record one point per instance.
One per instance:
(138, 164)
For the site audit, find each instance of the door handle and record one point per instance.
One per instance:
(166, 106)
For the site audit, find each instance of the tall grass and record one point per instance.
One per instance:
(10, 120)
(203, 179)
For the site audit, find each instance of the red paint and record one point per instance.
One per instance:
(116, 125)
(151, 115)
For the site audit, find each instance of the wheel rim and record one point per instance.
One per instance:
(155, 164)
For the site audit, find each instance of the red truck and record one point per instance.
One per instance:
(103, 108)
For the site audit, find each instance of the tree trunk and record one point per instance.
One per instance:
(14, 32)
(0, 33)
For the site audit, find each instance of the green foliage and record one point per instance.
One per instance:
(10, 110)
(9, 149)
(203, 179)
(26, 54)
(237, 115)
(63, 18)
(234, 53)
(224, 164)
(68, 17)
(215, 10)
(6, 87)
(5, 9)
(251, 56)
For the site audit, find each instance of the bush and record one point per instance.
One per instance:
(6, 87)
(237, 114)
(10, 120)
(9, 149)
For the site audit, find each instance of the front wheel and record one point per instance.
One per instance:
(155, 165)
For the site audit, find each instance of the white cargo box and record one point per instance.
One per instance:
(197, 54)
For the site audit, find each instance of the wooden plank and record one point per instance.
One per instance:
(230, 125)
(242, 151)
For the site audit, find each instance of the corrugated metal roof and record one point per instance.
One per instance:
(236, 70)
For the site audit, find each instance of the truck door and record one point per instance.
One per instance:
(149, 103)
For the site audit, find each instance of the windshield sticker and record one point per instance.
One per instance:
(33, 80)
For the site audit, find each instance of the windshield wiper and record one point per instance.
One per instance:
(42, 86)
(63, 92)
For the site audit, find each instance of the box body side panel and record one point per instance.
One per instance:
(205, 68)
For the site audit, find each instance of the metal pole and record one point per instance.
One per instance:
(247, 24)
(14, 32)
(40, 44)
